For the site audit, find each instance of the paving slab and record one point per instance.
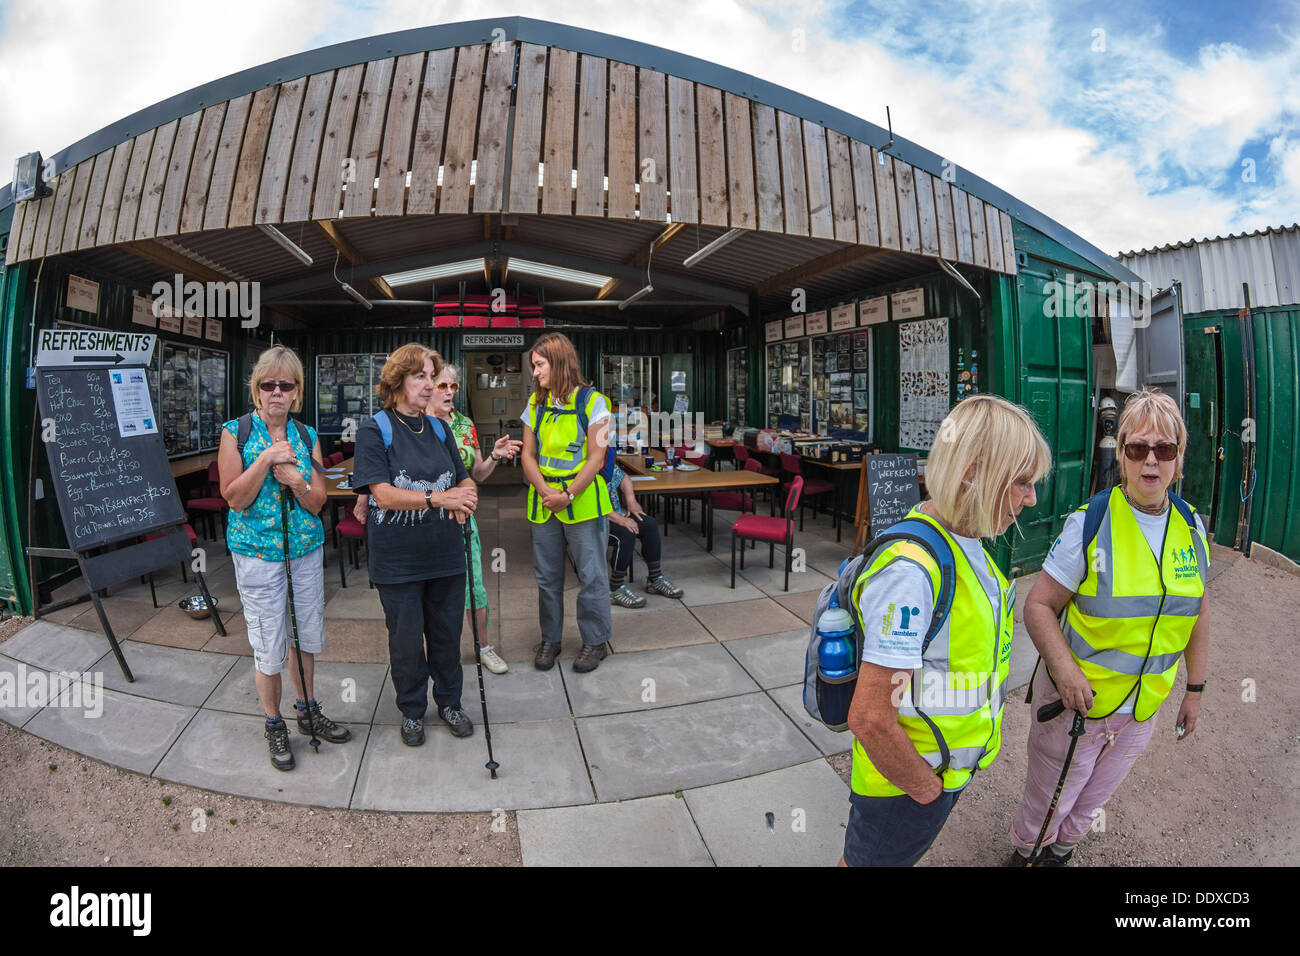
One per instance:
(131, 732)
(644, 680)
(348, 693)
(166, 673)
(727, 622)
(357, 601)
(58, 647)
(660, 629)
(228, 753)
(521, 693)
(356, 640)
(799, 603)
(541, 766)
(17, 705)
(771, 581)
(172, 627)
(790, 700)
(809, 808)
(654, 831)
(660, 751)
(773, 660)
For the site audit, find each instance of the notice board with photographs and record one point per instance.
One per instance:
(789, 374)
(923, 381)
(345, 389)
(193, 401)
(737, 384)
(841, 382)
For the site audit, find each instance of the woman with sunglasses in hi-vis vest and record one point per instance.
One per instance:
(567, 497)
(1134, 603)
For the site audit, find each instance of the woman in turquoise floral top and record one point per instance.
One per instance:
(274, 462)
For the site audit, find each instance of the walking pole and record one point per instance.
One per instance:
(1045, 713)
(293, 615)
(491, 764)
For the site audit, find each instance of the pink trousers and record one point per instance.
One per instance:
(1101, 760)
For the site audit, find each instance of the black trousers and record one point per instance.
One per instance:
(651, 546)
(424, 620)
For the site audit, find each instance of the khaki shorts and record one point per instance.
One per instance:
(264, 594)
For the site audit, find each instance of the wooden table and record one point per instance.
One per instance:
(333, 491)
(702, 480)
(720, 445)
(836, 478)
(192, 464)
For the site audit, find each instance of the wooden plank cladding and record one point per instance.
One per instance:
(507, 127)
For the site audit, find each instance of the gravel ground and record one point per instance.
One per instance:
(1223, 797)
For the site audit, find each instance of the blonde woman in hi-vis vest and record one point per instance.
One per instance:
(566, 435)
(1134, 603)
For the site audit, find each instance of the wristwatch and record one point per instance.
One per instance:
(428, 499)
(1196, 688)
(493, 456)
(571, 498)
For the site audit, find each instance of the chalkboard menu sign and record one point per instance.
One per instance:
(892, 489)
(107, 461)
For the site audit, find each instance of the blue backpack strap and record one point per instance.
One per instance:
(385, 427)
(584, 396)
(439, 430)
(245, 429)
(1184, 509)
(1092, 518)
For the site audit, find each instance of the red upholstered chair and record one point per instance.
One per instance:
(355, 532)
(742, 500)
(743, 455)
(209, 503)
(771, 530)
(812, 487)
(334, 459)
(194, 540)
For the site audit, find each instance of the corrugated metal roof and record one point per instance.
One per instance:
(1212, 271)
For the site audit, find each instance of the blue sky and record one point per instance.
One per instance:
(1127, 122)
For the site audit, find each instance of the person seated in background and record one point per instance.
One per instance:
(625, 526)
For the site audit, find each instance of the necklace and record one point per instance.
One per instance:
(1157, 510)
(413, 431)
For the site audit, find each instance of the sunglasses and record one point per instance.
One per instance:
(453, 387)
(285, 387)
(1138, 450)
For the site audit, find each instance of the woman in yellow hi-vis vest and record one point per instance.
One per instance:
(926, 715)
(1129, 572)
(566, 434)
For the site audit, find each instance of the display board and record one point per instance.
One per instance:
(345, 388)
(892, 489)
(737, 384)
(923, 381)
(789, 374)
(841, 382)
(192, 397)
(107, 460)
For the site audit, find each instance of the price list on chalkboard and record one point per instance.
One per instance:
(108, 468)
(892, 488)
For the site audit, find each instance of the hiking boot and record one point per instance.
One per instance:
(623, 597)
(457, 721)
(661, 585)
(277, 738)
(1017, 859)
(546, 655)
(492, 660)
(412, 732)
(589, 657)
(1050, 857)
(326, 729)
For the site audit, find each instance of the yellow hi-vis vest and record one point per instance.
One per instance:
(1133, 614)
(960, 683)
(561, 453)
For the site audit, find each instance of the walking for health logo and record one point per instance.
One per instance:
(1185, 565)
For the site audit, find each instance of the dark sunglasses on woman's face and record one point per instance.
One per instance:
(1138, 450)
(452, 387)
(285, 387)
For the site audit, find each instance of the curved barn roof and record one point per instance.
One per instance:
(455, 120)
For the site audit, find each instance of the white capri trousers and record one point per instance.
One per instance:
(264, 594)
